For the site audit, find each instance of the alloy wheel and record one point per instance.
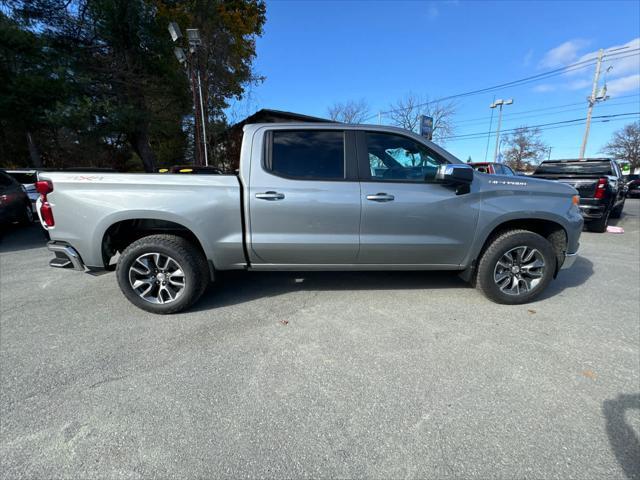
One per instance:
(157, 278)
(519, 270)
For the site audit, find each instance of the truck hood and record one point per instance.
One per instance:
(524, 183)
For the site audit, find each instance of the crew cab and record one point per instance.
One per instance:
(599, 182)
(313, 197)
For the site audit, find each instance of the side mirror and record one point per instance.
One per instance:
(455, 174)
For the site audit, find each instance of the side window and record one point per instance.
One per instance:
(394, 157)
(507, 170)
(617, 170)
(5, 180)
(307, 154)
(497, 168)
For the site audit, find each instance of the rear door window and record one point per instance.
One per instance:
(307, 154)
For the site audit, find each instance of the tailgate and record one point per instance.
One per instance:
(586, 187)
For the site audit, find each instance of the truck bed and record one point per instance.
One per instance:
(85, 205)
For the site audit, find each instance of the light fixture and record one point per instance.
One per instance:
(179, 53)
(174, 31)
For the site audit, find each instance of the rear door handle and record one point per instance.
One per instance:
(270, 196)
(381, 197)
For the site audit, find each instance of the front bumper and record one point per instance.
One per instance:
(569, 260)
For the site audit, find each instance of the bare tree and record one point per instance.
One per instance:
(625, 145)
(525, 147)
(352, 111)
(406, 112)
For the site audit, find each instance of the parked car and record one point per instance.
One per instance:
(599, 183)
(313, 197)
(491, 168)
(631, 177)
(633, 188)
(28, 178)
(14, 202)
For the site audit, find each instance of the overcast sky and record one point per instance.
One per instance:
(316, 53)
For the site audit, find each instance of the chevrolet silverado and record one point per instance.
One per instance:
(313, 197)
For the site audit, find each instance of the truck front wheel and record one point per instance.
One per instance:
(516, 267)
(162, 273)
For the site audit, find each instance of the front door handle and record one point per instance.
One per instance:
(381, 197)
(270, 196)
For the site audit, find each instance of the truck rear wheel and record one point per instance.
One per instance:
(162, 273)
(617, 212)
(516, 267)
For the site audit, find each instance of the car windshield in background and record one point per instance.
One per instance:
(575, 168)
(24, 177)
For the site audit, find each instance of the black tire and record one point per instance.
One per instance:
(599, 225)
(188, 257)
(617, 212)
(497, 248)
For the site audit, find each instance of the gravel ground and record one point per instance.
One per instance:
(287, 375)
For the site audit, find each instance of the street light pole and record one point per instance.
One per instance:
(204, 128)
(191, 63)
(499, 103)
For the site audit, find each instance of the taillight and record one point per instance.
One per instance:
(601, 187)
(47, 214)
(43, 188)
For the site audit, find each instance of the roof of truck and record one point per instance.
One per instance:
(561, 160)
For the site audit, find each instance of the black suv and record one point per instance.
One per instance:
(599, 182)
(15, 205)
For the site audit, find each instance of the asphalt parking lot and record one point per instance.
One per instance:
(288, 375)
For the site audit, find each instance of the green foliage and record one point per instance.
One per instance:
(95, 82)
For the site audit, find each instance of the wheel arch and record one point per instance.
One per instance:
(552, 230)
(122, 233)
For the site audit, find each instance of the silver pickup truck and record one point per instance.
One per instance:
(313, 197)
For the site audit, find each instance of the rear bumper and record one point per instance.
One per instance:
(65, 256)
(592, 211)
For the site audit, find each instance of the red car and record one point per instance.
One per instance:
(491, 168)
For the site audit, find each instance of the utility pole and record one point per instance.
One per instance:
(499, 103)
(379, 118)
(593, 99)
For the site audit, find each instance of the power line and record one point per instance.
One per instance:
(523, 81)
(547, 128)
(553, 107)
(482, 134)
(522, 116)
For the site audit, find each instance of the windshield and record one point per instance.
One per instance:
(575, 168)
(24, 177)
